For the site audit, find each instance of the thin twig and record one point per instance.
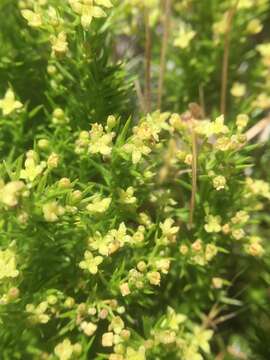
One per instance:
(220, 356)
(225, 65)
(213, 313)
(148, 50)
(140, 95)
(194, 176)
(257, 128)
(196, 113)
(202, 100)
(165, 38)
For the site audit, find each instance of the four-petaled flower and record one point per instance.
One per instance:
(90, 262)
(89, 9)
(99, 205)
(8, 104)
(8, 264)
(213, 224)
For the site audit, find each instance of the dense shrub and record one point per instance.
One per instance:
(134, 191)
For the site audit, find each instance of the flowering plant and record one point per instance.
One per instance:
(130, 233)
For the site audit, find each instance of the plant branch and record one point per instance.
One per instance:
(148, 50)
(165, 38)
(226, 54)
(194, 176)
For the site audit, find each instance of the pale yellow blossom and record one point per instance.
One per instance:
(124, 289)
(210, 251)
(90, 262)
(59, 43)
(52, 211)
(127, 196)
(10, 193)
(8, 264)
(64, 350)
(213, 224)
(217, 282)
(99, 141)
(242, 121)
(88, 328)
(34, 19)
(89, 10)
(31, 170)
(99, 205)
(238, 89)
(201, 338)
(254, 26)
(154, 278)
(8, 104)
(167, 228)
(184, 37)
(107, 339)
(219, 182)
(238, 234)
(262, 101)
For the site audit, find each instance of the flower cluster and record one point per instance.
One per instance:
(88, 10)
(133, 236)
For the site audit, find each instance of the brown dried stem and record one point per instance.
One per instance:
(163, 54)
(140, 95)
(226, 54)
(194, 176)
(148, 50)
(258, 128)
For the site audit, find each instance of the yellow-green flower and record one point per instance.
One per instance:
(219, 182)
(201, 338)
(167, 228)
(31, 170)
(33, 19)
(238, 89)
(120, 235)
(89, 9)
(213, 224)
(117, 325)
(8, 264)
(99, 205)
(9, 193)
(191, 352)
(59, 43)
(137, 149)
(8, 104)
(52, 211)
(64, 350)
(258, 187)
(220, 26)
(154, 278)
(245, 4)
(184, 37)
(100, 142)
(210, 251)
(242, 121)
(174, 319)
(90, 262)
(38, 313)
(210, 128)
(126, 196)
(88, 328)
(241, 217)
(254, 247)
(254, 26)
(262, 101)
(100, 243)
(132, 354)
(219, 127)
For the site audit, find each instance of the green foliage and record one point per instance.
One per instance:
(127, 234)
